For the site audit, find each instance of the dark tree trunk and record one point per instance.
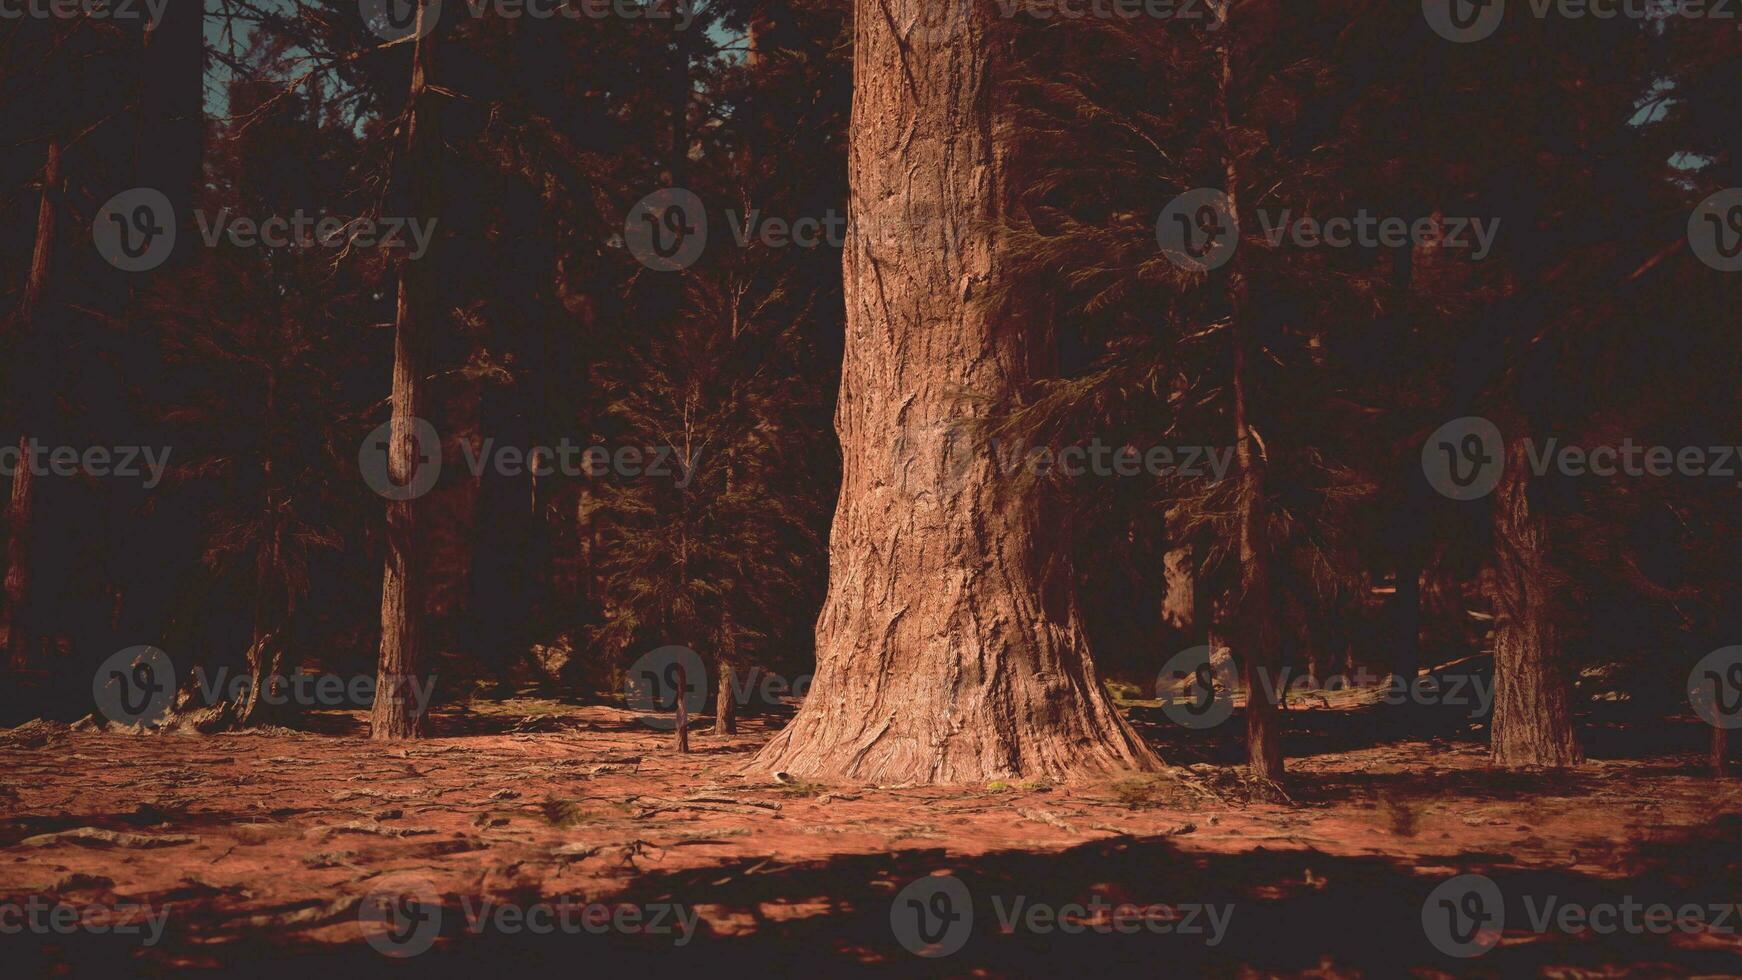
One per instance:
(19, 528)
(14, 615)
(1532, 724)
(680, 702)
(1406, 622)
(405, 578)
(171, 117)
(944, 655)
(1179, 601)
(272, 616)
(1256, 638)
(679, 151)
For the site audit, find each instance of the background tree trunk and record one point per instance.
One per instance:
(14, 615)
(1256, 640)
(404, 580)
(1532, 724)
(1406, 622)
(1179, 600)
(725, 707)
(943, 654)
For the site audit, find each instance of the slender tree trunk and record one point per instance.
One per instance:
(683, 709)
(14, 615)
(265, 666)
(943, 653)
(1532, 724)
(1256, 640)
(1255, 629)
(405, 579)
(19, 528)
(725, 706)
(680, 103)
(1406, 621)
(271, 615)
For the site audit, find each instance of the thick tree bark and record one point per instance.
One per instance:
(942, 654)
(14, 614)
(405, 578)
(1532, 724)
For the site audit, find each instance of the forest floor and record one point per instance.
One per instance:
(264, 852)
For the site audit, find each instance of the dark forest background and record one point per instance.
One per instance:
(264, 369)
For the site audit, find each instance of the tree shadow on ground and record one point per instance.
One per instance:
(1294, 913)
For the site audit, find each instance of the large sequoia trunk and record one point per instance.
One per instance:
(405, 579)
(942, 654)
(1532, 724)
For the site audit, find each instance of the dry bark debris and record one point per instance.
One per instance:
(359, 827)
(98, 837)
